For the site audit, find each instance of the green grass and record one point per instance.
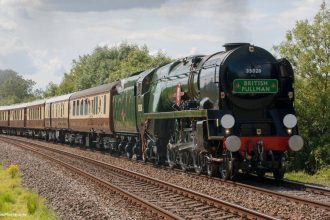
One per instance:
(321, 177)
(14, 200)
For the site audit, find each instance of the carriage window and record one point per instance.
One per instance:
(100, 104)
(77, 109)
(96, 104)
(74, 108)
(85, 107)
(105, 105)
(81, 107)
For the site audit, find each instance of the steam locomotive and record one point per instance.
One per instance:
(218, 114)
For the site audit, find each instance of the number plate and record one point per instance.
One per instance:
(255, 86)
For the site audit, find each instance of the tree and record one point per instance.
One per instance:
(307, 47)
(14, 88)
(108, 64)
(51, 90)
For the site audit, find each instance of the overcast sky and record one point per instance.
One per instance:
(40, 38)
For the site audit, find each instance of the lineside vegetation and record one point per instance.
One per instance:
(18, 203)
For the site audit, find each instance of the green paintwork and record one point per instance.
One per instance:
(177, 114)
(158, 97)
(142, 96)
(124, 107)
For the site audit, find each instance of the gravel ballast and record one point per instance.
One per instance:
(263, 203)
(231, 193)
(69, 195)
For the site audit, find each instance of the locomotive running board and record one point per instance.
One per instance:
(176, 114)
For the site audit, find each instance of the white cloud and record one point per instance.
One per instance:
(10, 45)
(41, 38)
(48, 71)
(300, 10)
(7, 25)
(20, 3)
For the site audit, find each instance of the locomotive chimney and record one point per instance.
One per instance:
(230, 46)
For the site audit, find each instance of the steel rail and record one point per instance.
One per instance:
(159, 212)
(233, 208)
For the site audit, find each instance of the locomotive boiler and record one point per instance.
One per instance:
(220, 113)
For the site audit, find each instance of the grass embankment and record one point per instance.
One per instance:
(321, 177)
(18, 203)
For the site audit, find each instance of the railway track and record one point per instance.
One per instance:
(281, 195)
(262, 185)
(164, 200)
(287, 183)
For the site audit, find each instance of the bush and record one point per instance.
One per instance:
(13, 170)
(32, 203)
(6, 197)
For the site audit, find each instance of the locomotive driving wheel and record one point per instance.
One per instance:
(278, 173)
(199, 160)
(261, 173)
(184, 157)
(212, 169)
(226, 167)
(171, 157)
(145, 156)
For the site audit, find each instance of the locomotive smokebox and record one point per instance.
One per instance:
(230, 46)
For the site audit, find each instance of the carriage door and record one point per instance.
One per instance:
(139, 104)
(50, 114)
